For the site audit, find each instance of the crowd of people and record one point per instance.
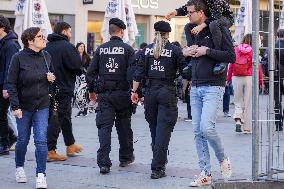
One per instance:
(42, 82)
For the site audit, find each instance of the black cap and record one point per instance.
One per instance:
(162, 26)
(118, 23)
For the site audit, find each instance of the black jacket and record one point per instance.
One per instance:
(8, 47)
(165, 68)
(202, 67)
(27, 82)
(111, 62)
(66, 61)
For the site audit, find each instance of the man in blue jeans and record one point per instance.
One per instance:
(207, 92)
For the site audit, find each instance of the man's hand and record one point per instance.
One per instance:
(189, 51)
(198, 28)
(5, 94)
(200, 51)
(50, 77)
(93, 97)
(170, 15)
(18, 113)
(134, 98)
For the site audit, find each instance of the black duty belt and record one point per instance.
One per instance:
(167, 82)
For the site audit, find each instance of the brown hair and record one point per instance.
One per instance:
(29, 35)
(199, 5)
(247, 39)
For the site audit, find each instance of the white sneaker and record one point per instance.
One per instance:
(41, 181)
(202, 180)
(226, 168)
(20, 175)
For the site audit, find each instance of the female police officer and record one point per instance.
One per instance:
(159, 63)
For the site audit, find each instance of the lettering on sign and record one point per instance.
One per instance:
(87, 2)
(145, 4)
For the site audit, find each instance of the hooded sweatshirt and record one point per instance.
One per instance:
(243, 50)
(66, 62)
(8, 47)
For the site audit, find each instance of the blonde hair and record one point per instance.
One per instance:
(160, 42)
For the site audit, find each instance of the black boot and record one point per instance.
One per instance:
(158, 174)
(126, 163)
(85, 112)
(104, 170)
(279, 126)
(4, 150)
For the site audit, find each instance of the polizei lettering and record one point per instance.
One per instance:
(112, 50)
(165, 52)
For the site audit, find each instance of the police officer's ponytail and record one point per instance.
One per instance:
(160, 42)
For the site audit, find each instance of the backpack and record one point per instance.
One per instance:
(242, 64)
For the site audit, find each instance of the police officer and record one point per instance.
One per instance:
(107, 77)
(159, 63)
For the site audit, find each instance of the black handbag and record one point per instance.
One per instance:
(53, 107)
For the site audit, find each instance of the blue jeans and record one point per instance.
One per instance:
(226, 100)
(205, 102)
(39, 121)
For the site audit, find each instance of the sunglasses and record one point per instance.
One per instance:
(40, 36)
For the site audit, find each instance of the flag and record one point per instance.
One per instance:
(32, 13)
(243, 20)
(281, 19)
(123, 10)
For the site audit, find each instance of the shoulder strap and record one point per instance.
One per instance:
(45, 61)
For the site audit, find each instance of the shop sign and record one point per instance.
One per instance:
(87, 2)
(145, 4)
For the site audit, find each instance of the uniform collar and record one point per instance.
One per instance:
(115, 38)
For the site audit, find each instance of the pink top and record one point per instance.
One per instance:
(244, 49)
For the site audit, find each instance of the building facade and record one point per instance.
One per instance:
(86, 17)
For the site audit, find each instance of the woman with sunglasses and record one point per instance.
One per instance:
(29, 77)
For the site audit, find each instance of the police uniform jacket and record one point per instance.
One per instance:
(111, 62)
(165, 68)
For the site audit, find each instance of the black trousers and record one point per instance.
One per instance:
(64, 123)
(4, 128)
(161, 113)
(278, 92)
(114, 107)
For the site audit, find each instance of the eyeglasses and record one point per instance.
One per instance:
(191, 12)
(40, 36)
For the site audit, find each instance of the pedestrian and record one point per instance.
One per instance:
(240, 72)
(279, 78)
(107, 78)
(207, 92)
(67, 65)
(159, 63)
(29, 76)
(81, 93)
(8, 47)
(220, 16)
(226, 99)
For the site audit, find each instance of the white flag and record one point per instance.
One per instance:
(123, 10)
(32, 13)
(243, 21)
(281, 19)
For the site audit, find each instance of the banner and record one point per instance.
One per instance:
(123, 10)
(243, 21)
(32, 13)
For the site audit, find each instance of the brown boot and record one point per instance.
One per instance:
(73, 149)
(53, 156)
